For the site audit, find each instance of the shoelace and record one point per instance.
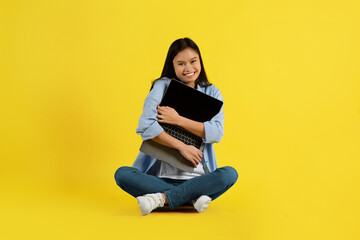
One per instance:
(155, 201)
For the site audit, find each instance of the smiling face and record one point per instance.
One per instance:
(187, 66)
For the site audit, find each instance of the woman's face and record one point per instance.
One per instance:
(187, 66)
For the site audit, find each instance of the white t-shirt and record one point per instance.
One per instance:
(168, 171)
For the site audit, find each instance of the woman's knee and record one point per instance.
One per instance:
(229, 175)
(121, 174)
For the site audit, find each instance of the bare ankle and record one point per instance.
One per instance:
(164, 197)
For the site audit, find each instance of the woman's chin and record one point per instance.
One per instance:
(187, 82)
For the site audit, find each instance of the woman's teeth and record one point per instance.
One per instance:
(190, 74)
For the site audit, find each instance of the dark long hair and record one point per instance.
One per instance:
(176, 47)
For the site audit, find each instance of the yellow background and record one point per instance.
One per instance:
(74, 75)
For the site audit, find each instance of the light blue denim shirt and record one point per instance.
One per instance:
(149, 127)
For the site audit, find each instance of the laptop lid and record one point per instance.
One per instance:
(190, 102)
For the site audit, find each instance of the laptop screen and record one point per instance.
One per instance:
(190, 103)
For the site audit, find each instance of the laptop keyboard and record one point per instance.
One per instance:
(182, 135)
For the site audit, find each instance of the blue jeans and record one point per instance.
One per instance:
(178, 192)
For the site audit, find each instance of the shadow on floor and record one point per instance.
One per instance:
(184, 209)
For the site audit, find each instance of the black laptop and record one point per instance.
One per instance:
(190, 103)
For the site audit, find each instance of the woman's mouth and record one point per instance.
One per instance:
(189, 74)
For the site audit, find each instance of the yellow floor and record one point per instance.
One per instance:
(113, 215)
(36, 212)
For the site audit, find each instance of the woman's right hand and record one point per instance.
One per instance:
(191, 153)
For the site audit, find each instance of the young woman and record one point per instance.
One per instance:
(155, 183)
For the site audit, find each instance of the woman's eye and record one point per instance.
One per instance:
(183, 63)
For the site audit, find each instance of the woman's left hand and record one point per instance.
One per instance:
(168, 115)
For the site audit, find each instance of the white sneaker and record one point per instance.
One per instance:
(149, 202)
(202, 203)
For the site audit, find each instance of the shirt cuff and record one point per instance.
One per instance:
(209, 135)
(152, 131)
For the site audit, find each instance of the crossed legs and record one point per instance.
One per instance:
(177, 192)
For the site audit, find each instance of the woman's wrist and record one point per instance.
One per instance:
(179, 121)
(180, 146)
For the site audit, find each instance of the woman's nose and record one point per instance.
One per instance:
(188, 67)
